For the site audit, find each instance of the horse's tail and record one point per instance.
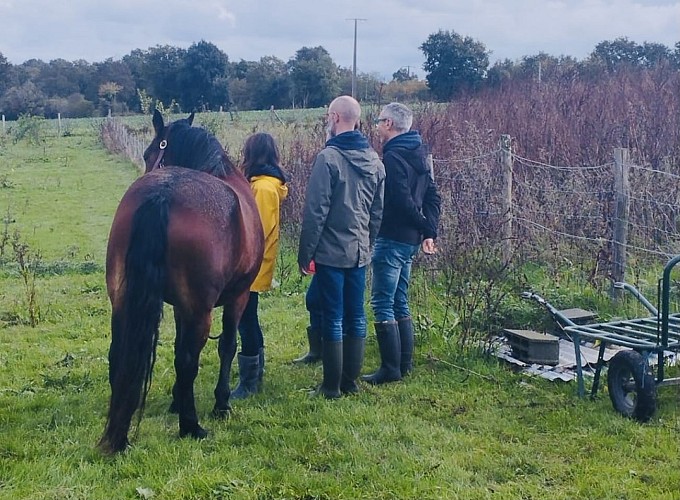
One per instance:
(135, 328)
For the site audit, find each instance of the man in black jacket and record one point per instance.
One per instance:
(410, 218)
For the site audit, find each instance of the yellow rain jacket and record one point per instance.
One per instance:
(269, 193)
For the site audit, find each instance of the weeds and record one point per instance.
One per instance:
(30, 128)
(4, 236)
(6, 182)
(29, 262)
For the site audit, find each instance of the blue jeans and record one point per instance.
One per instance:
(342, 301)
(313, 305)
(391, 265)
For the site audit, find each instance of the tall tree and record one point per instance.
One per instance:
(204, 64)
(138, 62)
(8, 77)
(108, 91)
(453, 63)
(403, 75)
(314, 76)
(240, 93)
(112, 71)
(616, 53)
(156, 71)
(654, 54)
(59, 79)
(25, 98)
(269, 83)
(368, 85)
(501, 73)
(30, 71)
(239, 70)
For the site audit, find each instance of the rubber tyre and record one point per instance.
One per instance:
(632, 389)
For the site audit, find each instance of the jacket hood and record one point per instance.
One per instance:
(407, 140)
(270, 170)
(349, 140)
(410, 147)
(365, 164)
(279, 185)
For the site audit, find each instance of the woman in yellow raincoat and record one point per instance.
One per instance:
(268, 182)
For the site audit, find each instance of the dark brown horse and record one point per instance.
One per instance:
(187, 233)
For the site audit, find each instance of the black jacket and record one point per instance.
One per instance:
(412, 204)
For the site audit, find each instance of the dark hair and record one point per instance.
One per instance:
(259, 149)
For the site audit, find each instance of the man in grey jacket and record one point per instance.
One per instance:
(342, 215)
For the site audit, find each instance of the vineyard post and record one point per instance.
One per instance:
(620, 219)
(506, 196)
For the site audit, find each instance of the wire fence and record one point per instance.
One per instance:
(564, 212)
(556, 212)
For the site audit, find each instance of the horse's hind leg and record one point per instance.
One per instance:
(192, 333)
(227, 350)
(231, 314)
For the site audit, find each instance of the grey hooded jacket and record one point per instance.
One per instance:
(343, 208)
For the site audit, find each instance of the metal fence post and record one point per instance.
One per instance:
(506, 196)
(620, 219)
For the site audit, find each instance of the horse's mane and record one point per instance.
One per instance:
(198, 149)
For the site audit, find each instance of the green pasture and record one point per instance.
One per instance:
(462, 426)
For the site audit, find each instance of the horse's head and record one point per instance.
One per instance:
(157, 153)
(179, 144)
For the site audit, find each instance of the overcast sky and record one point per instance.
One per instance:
(389, 33)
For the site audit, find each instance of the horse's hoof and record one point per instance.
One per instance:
(221, 413)
(197, 432)
(108, 448)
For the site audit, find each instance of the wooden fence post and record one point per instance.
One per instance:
(274, 114)
(506, 197)
(620, 221)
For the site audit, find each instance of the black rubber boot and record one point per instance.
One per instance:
(248, 367)
(332, 370)
(260, 367)
(315, 345)
(352, 361)
(387, 334)
(406, 339)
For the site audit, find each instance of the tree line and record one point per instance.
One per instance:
(202, 78)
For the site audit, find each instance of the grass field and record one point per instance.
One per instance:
(462, 426)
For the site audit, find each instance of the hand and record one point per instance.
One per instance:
(428, 246)
(305, 271)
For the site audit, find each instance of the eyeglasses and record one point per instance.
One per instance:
(381, 120)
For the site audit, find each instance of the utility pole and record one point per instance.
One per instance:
(354, 60)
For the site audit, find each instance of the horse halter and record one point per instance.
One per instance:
(159, 159)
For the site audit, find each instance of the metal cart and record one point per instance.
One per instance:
(630, 378)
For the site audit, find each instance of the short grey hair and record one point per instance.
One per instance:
(401, 116)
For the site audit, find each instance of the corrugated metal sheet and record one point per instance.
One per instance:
(565, 370)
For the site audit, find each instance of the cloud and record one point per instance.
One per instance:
(388, 37)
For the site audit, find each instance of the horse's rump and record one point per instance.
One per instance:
(206, 236)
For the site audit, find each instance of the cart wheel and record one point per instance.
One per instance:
(632, 388)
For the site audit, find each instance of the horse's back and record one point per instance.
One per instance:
(211, 244)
